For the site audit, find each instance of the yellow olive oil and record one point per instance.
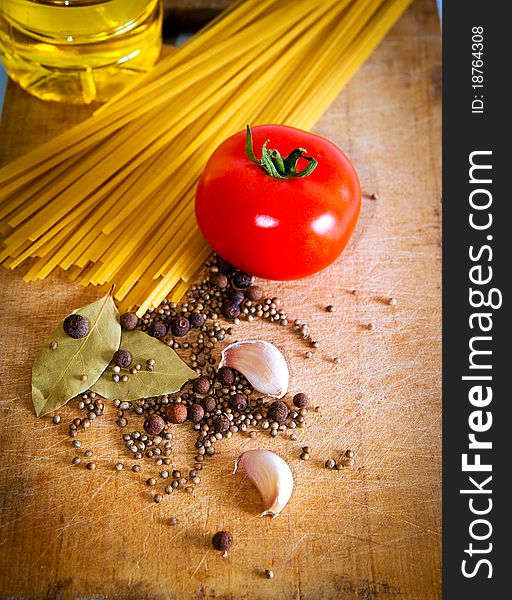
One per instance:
(78, 51)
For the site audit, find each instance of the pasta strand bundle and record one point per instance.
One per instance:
(112, 199)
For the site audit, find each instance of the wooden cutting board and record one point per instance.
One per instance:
(371, 532)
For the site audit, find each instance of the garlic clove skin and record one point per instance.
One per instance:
(261, 363)
(271, 476)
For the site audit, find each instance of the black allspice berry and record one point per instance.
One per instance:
(209, 404)
(221, 423)
(238, 402)
(219, 280)
(226, 376)
(122, 358)
(278, 411)
(254, 293)
(196, 320)
(154, 425)
(224, 267)
(129, 321)
(76, 326)
(241, 279)
(195, 413)
(231, 311)
(236, 297)
(179, 326)
(222, 541)
(157, 329)
(201, 385)
(301, 400)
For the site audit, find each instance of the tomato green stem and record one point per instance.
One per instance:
(274, 164)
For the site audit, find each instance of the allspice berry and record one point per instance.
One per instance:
(196, 320)
(209, 404)
(76, 326)
(157, 329)
(222, 541)
(122, 358)
(238, 402)
(221, 424)
(236, 297)
(201, 385)
(231, 311)
(301, 400)
(154, 425)
(226, 376)
(278, 411)
(195, 413)
(241, 279)
(129, 321)
(177, 413)
(254, 293)
(179, 326)
(219, 280)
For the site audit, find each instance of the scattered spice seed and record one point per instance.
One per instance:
(305, 456)
(374, 197)
(91, 466)
(349, 454)
(88, 453)
(278, 411)
(122, 422)
(129, 321)
(151, 481)
(123, 358)
(177, 413)
(53, 345)
(56, 419)
(336, 360)
(173, 521)
(136, 468)
(309, 354)
(222, 541)
(330, 308)
(201, 385)
(294, 437)
(370, 326)
(76, 326)
(269, 574)
(84, 377)
(158, 498)
(330, 463)
(124, 378)
(119, 466)
(392, 302)
(76, 460)
(318, 409)
(154, 425)
(301, 400)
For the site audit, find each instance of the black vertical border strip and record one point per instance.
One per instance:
(463, 133)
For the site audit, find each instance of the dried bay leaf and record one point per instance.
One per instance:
(169, 373)
(56, 374)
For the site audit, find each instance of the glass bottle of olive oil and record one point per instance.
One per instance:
(78, 51)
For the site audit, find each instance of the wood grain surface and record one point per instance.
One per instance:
(371, 532)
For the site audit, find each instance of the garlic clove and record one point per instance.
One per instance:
(261, 363)
(272, 477)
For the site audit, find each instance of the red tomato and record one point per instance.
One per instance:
(273, 227)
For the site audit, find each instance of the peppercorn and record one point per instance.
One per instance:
(196, 320)
(226, 376)
(195, 413)
(238, 402)
(76, 326)
(278, 411)
(209, 404)
(177, 413)
(231, 311)
(201, 385)
(222, 541)
(254, 293)
(241, 279)
(154, 425)
(219, 280)
(221, 423)
(179, 326)
(157, 329)
(122, 358)
(129, 321)
(300, 400)
(236, 297)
